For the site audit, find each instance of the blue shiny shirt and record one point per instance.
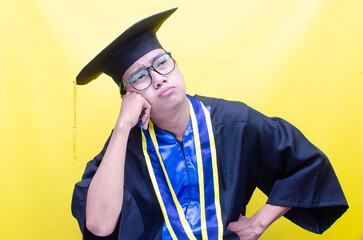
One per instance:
(181, 165)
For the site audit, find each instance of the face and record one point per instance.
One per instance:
(165, 91)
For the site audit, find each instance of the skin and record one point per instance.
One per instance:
(253, 227)
(169, 110)
(166, 104)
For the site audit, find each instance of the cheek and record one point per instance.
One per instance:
(180, 82)
(179, 77)
(149, 96)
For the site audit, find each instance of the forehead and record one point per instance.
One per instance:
(143, 62)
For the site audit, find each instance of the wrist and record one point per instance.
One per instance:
(268, 214)
(260, 223)
(122, 128)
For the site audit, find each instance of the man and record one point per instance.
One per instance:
(181, 167)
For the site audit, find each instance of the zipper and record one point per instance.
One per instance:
(186, 166)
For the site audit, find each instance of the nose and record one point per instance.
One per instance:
(157, 79)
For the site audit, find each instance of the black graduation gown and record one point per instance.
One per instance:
(252, 151)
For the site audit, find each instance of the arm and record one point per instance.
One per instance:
(253, 227)
(105, 193)
(280, 161)
(292, 172)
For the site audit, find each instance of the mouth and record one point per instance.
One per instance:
(166, 92)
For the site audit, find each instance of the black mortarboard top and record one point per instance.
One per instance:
(119, 55)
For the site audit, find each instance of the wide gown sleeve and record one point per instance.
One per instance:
(292, 172)
(130, 224)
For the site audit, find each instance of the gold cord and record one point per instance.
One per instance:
(74, 139)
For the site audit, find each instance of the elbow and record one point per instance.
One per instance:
(100, 228)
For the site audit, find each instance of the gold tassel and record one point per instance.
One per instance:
(74, 138)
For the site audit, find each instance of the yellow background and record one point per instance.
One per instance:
(301, 60)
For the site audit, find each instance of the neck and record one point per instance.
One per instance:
(174, 120)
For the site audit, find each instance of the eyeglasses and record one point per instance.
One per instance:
(141, 79)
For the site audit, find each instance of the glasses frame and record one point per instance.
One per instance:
(123, 90)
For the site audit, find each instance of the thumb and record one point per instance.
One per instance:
(232, 226)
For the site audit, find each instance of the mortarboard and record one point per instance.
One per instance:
(120, 54)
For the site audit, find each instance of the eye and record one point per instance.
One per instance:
(138, 77)
(161, 61)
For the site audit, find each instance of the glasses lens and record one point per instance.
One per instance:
(140, 80)
(164, 64)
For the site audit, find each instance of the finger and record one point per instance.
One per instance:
(146, 112)
(232, 226)
(146, 124)
(144, 121)
(146, 116)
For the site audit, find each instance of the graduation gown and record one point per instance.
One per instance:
(252, 151)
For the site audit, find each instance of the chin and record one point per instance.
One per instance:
(169, 104)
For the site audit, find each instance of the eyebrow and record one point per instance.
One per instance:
(139, 69)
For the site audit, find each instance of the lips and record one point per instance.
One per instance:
(167, 91)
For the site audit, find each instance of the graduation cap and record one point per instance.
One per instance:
(120, 54)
